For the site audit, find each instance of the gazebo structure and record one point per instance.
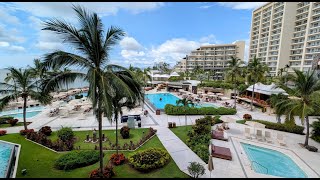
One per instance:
(263, 92)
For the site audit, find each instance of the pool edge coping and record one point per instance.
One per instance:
(16, 163)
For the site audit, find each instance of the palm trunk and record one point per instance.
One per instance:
(252, 97)
(100, 138)
(235, 96)
(117, 139)
(24, 112)
(307, 135)
(279, 119)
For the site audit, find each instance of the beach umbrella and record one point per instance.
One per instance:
(210, 164)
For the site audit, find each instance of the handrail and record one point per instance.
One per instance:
(259, 164)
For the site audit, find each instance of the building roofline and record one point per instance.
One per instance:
(262, 6)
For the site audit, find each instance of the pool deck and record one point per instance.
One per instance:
(182, 154)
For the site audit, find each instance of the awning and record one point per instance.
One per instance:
(266, 89)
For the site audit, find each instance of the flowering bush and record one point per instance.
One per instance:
(107, 173)
(13, 121)
(24, 132)
(3, 132)
(247, 116)
(46, 130)
(117, 159)
(125, 132)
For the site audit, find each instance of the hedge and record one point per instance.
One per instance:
(315, 134)
(4, 119)
(180, 110)
(281, 127)
(77, 159)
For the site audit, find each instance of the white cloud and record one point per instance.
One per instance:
(204, 7)
(51, 9)
(4, 44)
(170, 51)
(48, 41)
(242, 5)
(17, 48)
(10, 35)
(5, 16)
(130, 43)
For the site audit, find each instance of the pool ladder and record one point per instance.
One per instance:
(258, 164)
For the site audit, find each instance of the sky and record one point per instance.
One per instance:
(155, 31)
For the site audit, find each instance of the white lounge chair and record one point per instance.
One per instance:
(247, 133)
(280, 139)
(259, 135)
(268, 137)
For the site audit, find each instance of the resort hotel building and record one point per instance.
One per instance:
(211, 57)
(285, 34)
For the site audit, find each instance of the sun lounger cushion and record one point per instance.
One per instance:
(221, 152)
(218, 135)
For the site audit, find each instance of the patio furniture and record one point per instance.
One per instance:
(259, 135)
(221, 152)
(220, 135)
(268, 137)
(225, 126)
(247, 133)
(280, 139)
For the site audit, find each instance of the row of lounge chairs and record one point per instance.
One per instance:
(220, 134)
(267, 136)
(54, 112)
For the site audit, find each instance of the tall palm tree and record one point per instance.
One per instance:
(256, 72)
(25, 85)
(307, 91)
(185, 103)
(234, 70)
(201, 77)
(94, 52)
(38, 70)
(278, 107)
(127, 95)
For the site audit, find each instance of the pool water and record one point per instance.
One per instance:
(168, 98)
(5, 152)
(271, 162)
(18, 113)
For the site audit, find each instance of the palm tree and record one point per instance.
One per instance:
(25, 85)
(38, 70)
(234, 70)
(185, 103)
(306, 91)
(201, 77)
(256, 72)
(275, 100)
(127, 95)
(94, 48)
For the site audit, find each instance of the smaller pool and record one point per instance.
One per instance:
(271, 162)
(5, 153)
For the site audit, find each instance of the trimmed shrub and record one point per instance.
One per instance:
(180, 110)
(247, 117)
(3, 132)
(78, 96)
(5, 119)
(117, 159)
(77, 159)
(24, 132)
(312, 148)
(13, 122)
(149, 159)
(46, 130)
(125, 132)
(65, 134)
(108, 172)
(315, 133)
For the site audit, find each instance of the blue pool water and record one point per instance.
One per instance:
(18, 113)
(167, 98)
(275, 162)
(5, 152)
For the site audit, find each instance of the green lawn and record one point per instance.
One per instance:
(241, 121)
(181, 132)
(135, 136)
(9, 125)
(39, 162)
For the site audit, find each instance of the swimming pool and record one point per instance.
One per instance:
(5, 154)
(271, 162)
(167, 98)
(18, 113)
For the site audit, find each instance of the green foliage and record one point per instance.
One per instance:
(315, 134)
(241, 121)
(65, 134)
(13, 122)
(180, 110)
(149, 159)
(175, 78)
(196, 169)
(4, 119)
(280, 127)
(77, 159)
(78, 96)
(217, 84)
(125, 132)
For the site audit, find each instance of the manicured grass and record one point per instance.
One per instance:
(39, 162)
(135, 136)
(181, 132)
(241, 121)
(9, 125)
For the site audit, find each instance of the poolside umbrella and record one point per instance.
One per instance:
(210, 165)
